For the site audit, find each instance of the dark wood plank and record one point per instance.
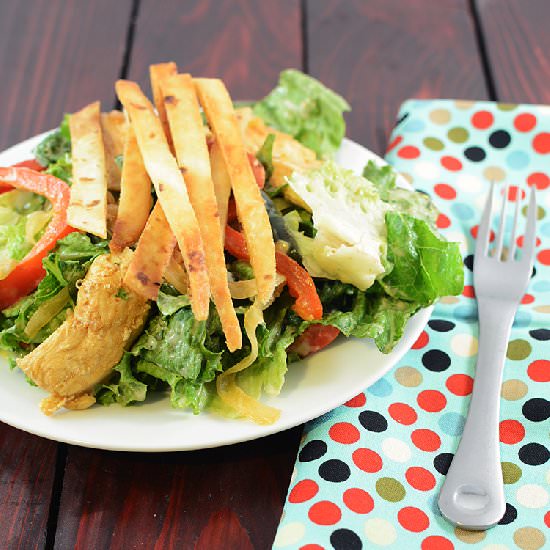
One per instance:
(55, 57)
(26, 481)
(517, 42)
(220, 498)
(381, 52)
(245, 42)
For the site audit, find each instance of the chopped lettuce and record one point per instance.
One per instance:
(54, 152)
(265, 155)
(304, 108)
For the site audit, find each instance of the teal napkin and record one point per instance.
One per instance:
(368, 474)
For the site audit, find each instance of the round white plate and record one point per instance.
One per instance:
(313, 386)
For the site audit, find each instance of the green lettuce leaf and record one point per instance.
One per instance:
(304, 108)
(265, 155)
(54, 152)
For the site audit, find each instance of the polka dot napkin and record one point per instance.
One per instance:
(368, 474)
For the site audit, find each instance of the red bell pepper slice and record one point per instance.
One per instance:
(314, 339)
(300, 284)
(31, 163)
(29, 271)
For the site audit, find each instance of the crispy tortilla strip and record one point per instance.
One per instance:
(114, 127)
(152, 255)
(158, 73)
(88, 205)
(135, 197)
(171, 191)
(175, 273)
(186, 127)
(222, 183)
(218, 107)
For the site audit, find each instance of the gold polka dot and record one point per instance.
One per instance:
(449, 300)
(469, 537)
(463, 104)
(494, 173)
(529, 538)
(507, 106)
(440, 116)
(408, 377)
(511, 473)
(408, 177)
(542, 309)
(514, 389)
(518, 349)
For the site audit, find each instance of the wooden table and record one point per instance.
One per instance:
(56, 56)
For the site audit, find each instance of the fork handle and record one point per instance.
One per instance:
(472, 495)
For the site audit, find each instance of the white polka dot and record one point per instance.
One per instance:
(380, 532)
(458, 237)
(544, 109)
(427, 170)
(496, 547)
(464, 345)
(480, 200)
(396, 450)
(532, 496)
(293, 476)
(288, 534)
(469, 183)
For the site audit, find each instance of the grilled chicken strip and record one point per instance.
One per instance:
(84, 349)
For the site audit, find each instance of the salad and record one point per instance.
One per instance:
(200, 246)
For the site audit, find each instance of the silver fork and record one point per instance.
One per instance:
(472, 495)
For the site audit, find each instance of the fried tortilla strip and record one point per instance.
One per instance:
(222, 183)
(114, 127)
(251, 211)
(88, 205)
(158, 73)
(171, 191)
(152, 256)
(175, 273)
(186, 127)
(135, 197)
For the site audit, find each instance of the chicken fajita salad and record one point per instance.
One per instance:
(199, 246)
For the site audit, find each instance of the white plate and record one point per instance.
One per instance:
(313, 386)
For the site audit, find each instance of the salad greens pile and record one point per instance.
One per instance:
(371, 246)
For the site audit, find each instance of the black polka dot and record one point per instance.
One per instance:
(509, 516)
(442, 462)
(436, 360)
(541, 334)
(334, 470)
(536, 409)
(534, 272)
(440, 325)
(469, 262)
(534, 454)
(373, 421)
(312, 450)
(345, 539)
(500, 139)
(475, 154)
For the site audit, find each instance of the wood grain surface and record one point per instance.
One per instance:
(379, 53)
(55, 57)
(517, 42)
(245, 42)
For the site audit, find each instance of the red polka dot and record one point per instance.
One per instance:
(544, 257)
(525, 122)
(408, 152)
(358, 501)
(357, 401)
(460, 384)
(431, 400)
(513, 193)
(413, 519)
(511, 432)
(420, 478)
(482, 120)
(421, 341)
(475, 229)
(303, 490)
(539, 370)
(528, 299)
(547, 518)
(541, 143)
(469, 291)
(324, 513)
(520, 241)
(394, 143)
(403, 413)
(451, 163)
(426, 440)
(311, 547)
(435, 542)
(344, 432)
(367, 460)
(539, 179)
(442, 221)
(445, 191)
